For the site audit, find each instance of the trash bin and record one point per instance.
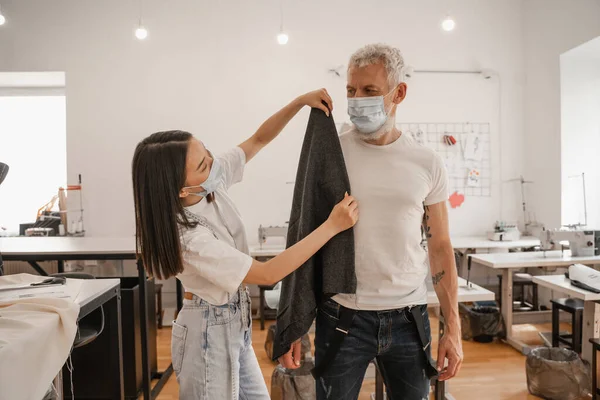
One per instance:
(306, 346)
(294, 384)
(92, 365)
(557, 374)
(482, 324)
(132, 334)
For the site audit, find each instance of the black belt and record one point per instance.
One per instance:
(346, 316)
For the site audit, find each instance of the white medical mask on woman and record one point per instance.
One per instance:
(215, 177)
(368, 114)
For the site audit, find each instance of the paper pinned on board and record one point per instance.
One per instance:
(454, 164)
(419, 136)
(473, 147)
(474, 178)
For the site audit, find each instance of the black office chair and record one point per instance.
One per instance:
(3, 173)
(92, 325)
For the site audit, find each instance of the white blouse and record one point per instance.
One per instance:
(214, 267)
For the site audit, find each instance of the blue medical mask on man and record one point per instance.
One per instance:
(215, 177)
(368, 114)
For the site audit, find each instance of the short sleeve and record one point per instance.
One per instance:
(233, 162)
(216, 261)
(438, 191)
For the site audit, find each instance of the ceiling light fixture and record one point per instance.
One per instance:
(141, 32)
(282, 38)
(448, 24)
(2, 19)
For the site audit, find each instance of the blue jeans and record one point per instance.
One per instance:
(211, 349)
(389, 337)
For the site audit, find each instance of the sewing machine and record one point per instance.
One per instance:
(582, 243)
(265, 232)
(504, 232)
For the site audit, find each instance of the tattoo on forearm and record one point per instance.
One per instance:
(426, 227)
(438, 277)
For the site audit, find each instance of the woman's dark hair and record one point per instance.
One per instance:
(158, 172)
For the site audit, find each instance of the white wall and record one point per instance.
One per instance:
(550, 28)
(580, 134)
(214, 68)
(478, 103)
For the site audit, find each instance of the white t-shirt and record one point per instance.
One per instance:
(391, 183)
(213, 269)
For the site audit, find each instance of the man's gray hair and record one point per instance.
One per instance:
(390, 56)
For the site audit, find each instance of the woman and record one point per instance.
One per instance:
(187, 226)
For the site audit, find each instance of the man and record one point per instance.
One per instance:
(401, 187)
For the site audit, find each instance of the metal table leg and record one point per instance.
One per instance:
(37, 268)
(144, 330)
(163, 377)
(149, 393)
(113, 308)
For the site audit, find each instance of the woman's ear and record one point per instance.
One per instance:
(183, 194)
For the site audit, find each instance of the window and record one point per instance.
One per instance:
(580, 131)
(32, 143)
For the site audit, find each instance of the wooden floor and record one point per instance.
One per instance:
(495, 368)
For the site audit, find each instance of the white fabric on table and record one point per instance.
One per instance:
(586, 275)
(36, 336)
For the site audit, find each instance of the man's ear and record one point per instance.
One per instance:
(400, 93)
